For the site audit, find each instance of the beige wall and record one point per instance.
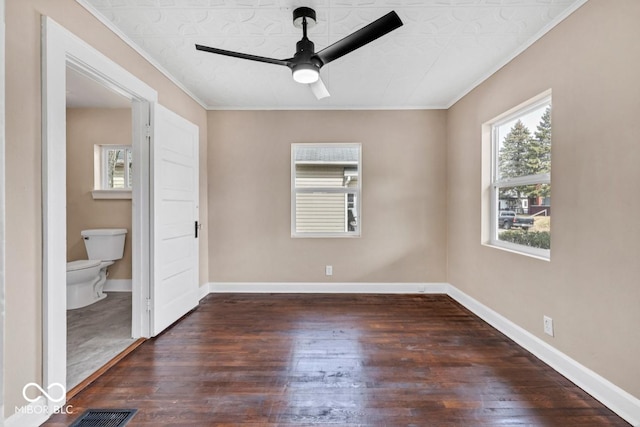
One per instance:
(87, 127)
(23, 348)
(590, 288)
(403, 197)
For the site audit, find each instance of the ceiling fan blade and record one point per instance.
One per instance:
(374, 30)
(284, 62)
(319, 89)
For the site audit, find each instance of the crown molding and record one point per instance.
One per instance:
(100, 17)
(537, 36)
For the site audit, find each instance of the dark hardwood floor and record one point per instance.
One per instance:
(342, 360)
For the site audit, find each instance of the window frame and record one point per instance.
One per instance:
(100, 168)
(496, 183)
(357, 190)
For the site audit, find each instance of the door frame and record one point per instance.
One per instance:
(2, 205)
(61, 49)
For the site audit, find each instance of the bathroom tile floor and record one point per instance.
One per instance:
(96, 334)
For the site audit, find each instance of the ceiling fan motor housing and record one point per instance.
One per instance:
(305, 54)
(305, 62)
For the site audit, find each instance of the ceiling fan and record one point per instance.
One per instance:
(306, 63)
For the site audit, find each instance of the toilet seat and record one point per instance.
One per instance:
(83, 264)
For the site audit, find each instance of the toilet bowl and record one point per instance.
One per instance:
(86, 278)
(83, 287)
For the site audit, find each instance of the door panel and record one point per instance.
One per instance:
(174, 153)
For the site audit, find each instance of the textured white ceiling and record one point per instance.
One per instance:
(444, 49)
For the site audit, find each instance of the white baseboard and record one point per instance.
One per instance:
(203, 290)
(328, 287)
(609, 394)
(117, 285)
(612, 396)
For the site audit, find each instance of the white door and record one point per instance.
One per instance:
(174, 198)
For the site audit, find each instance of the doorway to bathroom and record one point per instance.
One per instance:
(99, 165)
(64, 54)
(164, 149)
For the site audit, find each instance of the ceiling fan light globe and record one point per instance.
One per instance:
(305, 74)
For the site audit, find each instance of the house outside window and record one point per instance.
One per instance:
(325, 190)
(521, 179)
(113, 175)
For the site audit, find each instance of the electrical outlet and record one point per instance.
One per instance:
(548, 325)
(328, 270)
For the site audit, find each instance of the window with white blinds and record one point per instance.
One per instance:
(325, 195)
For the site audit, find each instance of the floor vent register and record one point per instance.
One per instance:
(104, 418)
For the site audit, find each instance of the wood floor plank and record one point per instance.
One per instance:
(341, 360)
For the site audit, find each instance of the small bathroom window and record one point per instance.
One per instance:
(112, 172)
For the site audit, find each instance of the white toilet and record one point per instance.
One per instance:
(86, 278)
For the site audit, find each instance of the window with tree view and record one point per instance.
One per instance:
(521, 183)
(115, 167)
(325, 196)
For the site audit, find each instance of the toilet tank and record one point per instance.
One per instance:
(106, 244)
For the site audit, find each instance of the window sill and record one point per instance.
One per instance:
(540, 254)
(111, 194)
